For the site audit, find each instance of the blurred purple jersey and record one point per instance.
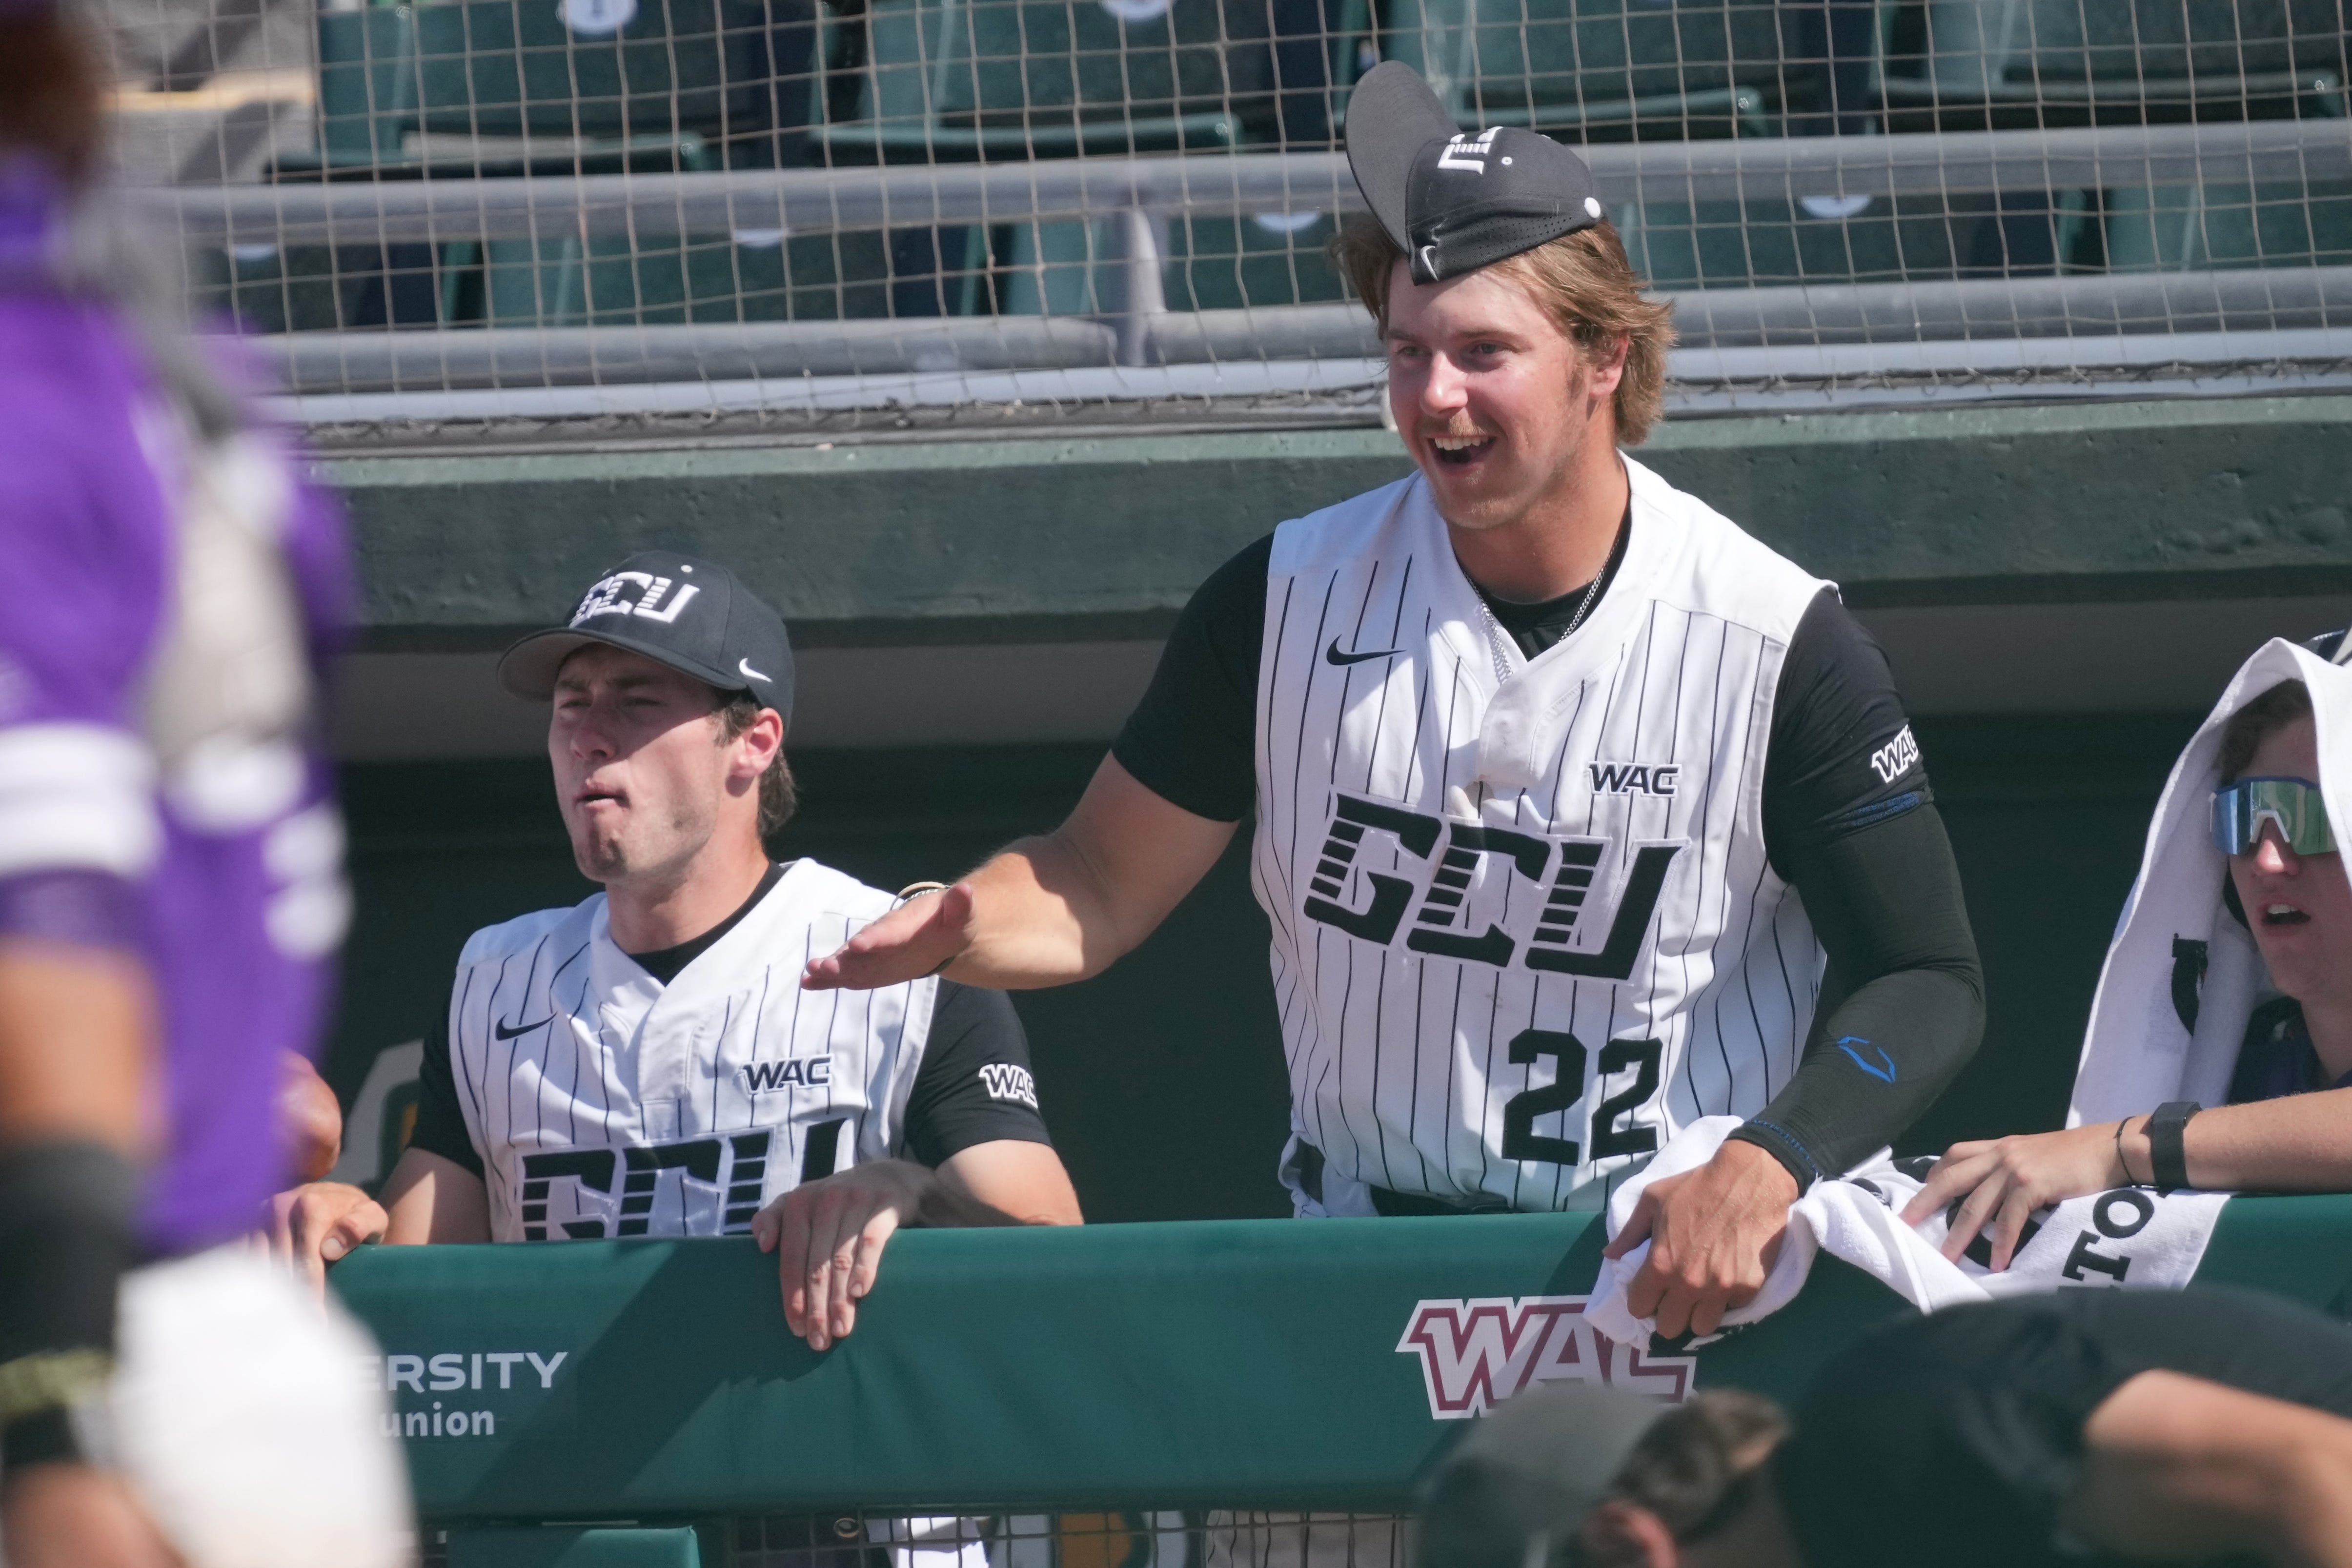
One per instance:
(161, 782)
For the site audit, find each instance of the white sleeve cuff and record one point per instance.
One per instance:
(76, 797)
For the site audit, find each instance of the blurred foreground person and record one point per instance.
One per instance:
(2082, 1428)
(171, 901)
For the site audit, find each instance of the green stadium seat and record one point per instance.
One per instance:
(587, 85)
(961, 80)
(1223, 263)
(497, 86)
(2019, 64)
(2025, 64)
(489, 88)
(2174, 228)
(1593, 70)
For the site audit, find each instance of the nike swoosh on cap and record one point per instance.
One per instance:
(744, 667)
(506, 1033)
(1335, 657)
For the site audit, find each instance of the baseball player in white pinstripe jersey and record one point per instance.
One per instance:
(645, 1063)
(1579, 813)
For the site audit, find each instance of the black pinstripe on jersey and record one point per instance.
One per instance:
(604, 1103)
(1448, 863)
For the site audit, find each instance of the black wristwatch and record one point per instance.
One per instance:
(2167, 1151)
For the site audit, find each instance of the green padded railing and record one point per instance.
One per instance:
(1231, 1364)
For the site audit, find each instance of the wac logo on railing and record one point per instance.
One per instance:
(1441, 859)
(1476, 1353)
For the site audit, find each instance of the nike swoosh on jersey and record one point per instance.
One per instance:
(1335, 657)
(505, 1033)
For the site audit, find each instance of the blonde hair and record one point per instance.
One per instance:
(1582, 281)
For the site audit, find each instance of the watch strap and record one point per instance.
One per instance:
(2167, 1149)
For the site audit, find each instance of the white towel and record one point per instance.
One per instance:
(2129, 1238)
(2156, 1034)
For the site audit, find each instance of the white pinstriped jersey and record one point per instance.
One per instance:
(604, 1103)
(1524, 928)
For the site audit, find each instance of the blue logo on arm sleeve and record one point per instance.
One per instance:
(1883, 1074)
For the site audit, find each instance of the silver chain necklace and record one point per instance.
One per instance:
(1494, 627)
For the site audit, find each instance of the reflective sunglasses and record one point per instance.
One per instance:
(2240, 811)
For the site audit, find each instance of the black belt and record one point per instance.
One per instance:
(1389, 1202)
(1420, 1206)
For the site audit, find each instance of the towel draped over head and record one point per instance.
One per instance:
(2183, 975)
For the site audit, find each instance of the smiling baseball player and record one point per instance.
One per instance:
(644, 1063)
(1562, 783)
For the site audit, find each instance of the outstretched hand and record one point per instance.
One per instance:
(828, 1237)
(919, 937)
(1713, 1234)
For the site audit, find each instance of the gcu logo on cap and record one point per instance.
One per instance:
(606, 598)
(1468, 152)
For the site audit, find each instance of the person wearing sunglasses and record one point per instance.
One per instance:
(2239, 937)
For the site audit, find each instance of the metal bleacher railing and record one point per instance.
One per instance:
(1117, 1396)
(545, 209)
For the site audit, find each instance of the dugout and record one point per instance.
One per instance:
(2062, 585)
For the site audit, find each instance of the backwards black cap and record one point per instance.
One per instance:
(689, 613)
(1453, 201)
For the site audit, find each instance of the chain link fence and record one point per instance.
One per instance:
(467, 219)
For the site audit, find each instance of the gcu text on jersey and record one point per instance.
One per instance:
(1524, 924)
(605, 1104)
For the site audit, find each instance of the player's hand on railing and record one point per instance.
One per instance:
(317, 1225)
(919, 937)
(828, 1237)
(77, 1516)
(1998, 1184)
(1713, 1234)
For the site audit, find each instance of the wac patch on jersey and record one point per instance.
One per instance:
(1634, 778)
(1009, 1081)
(790, 1072)
(1896, 758)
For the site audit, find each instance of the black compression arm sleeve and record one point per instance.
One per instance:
(68, 1217)
(1902, 1005)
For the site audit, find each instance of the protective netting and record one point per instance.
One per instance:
(1115, 1539)
(822, 214)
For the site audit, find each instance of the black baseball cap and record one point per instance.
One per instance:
(691, 614)
(1516, 1485)
(1455, 201)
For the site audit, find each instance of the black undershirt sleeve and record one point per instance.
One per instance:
(954, 1103)
(1193, 741)
(440, 1119)
(1850, 821)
